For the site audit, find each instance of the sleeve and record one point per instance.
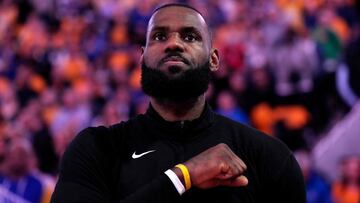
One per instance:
(289, 185)
(85, 174)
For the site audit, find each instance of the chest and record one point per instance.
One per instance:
(147, 159)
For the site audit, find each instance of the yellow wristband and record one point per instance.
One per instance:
(186, 175)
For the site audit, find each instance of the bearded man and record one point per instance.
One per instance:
(179, 150)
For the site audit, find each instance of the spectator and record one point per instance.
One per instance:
(16, 182)
(294, 64)
(317, 188)
(227, 106)
(347, 189)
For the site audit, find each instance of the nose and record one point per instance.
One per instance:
(174, 43)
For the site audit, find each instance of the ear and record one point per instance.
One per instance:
(214, 60)
(142, 50)
(142, 54)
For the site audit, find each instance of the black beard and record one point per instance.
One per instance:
(187, 86)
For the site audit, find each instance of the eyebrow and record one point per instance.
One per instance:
(182, 29)
(192, 29)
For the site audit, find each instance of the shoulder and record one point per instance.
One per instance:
(125, 126)
(102, 136)
(271, 164)
(92, 138)
(91, 152)
(92, 145)
(104, 141)
(249, 137)
(266, 153)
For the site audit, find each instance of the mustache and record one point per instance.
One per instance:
(174, 56)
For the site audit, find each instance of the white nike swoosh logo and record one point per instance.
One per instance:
(136, 156)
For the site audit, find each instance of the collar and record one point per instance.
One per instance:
(180, 130)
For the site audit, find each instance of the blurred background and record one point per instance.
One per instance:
(290, 68)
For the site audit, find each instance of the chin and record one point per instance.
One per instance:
(173, 71)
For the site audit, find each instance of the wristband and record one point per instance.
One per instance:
(176, 181)
(186, 175)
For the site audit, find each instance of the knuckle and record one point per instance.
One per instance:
(223, 145)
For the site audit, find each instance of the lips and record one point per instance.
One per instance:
(174, 59)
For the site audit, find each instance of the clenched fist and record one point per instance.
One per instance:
(216, 166)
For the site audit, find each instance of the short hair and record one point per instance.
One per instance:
(178, 5)
(184, 6)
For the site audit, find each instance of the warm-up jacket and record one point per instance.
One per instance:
(126, 162)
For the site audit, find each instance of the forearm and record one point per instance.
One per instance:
(161, 189)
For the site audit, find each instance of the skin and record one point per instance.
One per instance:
(182, 31)
(183, 34)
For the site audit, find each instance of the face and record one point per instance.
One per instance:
(178, 49)
(177, 37)
(17, 159)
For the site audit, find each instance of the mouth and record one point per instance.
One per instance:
(171, 63)
(174, 64)
(174, 60)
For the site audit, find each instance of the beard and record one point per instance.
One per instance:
(186, 86)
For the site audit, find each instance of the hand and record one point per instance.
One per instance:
(216, 166)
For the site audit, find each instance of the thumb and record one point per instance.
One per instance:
(235, 182)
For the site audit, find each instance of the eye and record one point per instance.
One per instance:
(159, 36)
(190, 37)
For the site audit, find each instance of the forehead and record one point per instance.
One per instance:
(177, 17)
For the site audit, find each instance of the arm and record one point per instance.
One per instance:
(82, 177)
(289, 184)
(216, 166)
(85, 174)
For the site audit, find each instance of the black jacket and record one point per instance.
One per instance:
(98, 165)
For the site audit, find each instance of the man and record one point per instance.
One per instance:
(134, 161)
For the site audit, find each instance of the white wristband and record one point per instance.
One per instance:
(176, 181)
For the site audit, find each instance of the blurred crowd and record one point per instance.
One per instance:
(290, 68)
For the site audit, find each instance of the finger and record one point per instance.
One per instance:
(240, 163)
(236, 167)
(224, 176)
(235, 159)
(235, 182)
(230, 170)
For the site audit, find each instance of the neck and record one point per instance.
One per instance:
(179, 111)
